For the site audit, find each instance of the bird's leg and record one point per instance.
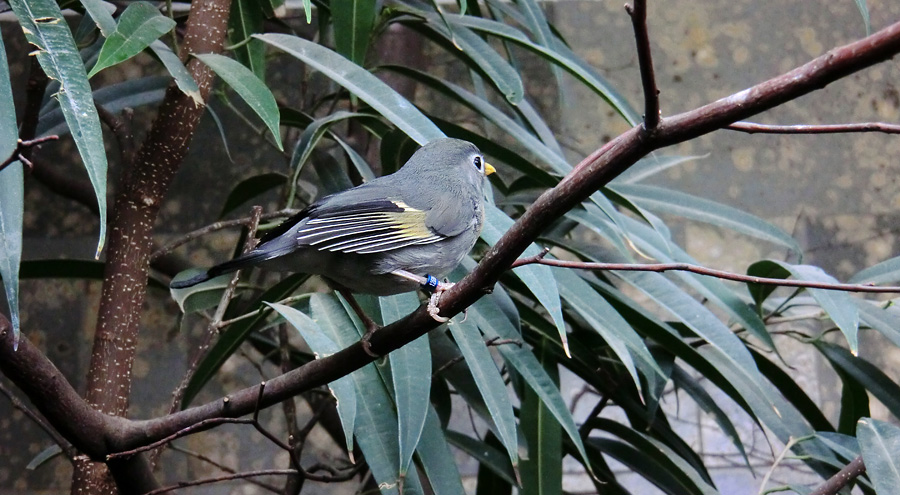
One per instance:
(370, 324)
(431, 285)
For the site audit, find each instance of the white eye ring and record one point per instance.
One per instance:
(479, 163)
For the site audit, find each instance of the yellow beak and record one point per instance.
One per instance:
(489, 169)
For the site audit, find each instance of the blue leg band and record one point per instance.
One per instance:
(431, 284)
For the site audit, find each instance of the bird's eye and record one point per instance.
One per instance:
(478, 162)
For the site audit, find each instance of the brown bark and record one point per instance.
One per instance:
(130, 235)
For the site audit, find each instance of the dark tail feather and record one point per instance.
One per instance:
(243, 261)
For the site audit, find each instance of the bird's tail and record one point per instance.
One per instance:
(243, 261)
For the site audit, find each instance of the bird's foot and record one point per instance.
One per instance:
(433, 308)
(371, 328)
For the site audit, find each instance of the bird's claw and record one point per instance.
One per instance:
(433, 308)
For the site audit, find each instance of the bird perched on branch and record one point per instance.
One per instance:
(394, 234)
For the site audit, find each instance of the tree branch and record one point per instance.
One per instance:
(638, 15)
(754, 128)
(842, 478)
(55, 399)
(702, 270)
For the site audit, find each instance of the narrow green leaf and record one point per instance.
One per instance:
(490, 384)
(494, 66)
(885, 320)
(486, 454)
(703, 210)
(101, 15)
(869, 376)
(11, 198)
(46, 29)
(686, 382)
(491, 320)
(376, 421)
(44, 456)
(838, 305)
(764, 269)
(140, 25)
(540, 29)
(886, 272)
(864, 12)
(342, 389)
(410, 370)
(542, 470)
(247, 17)
(249, 87)
(202, 296)
(132, 93)
(360, 82)
(353, 21)
(879, 442)
(177, 70)
(438, 461)
(560, 55)
(687, 479)
(650, 166)
(789, 389)
(539, 279)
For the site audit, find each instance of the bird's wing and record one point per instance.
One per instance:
(366, 227)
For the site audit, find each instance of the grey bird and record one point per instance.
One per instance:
(394, 234)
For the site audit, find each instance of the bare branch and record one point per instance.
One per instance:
(842, 478)
(638, 15)
(213, 227)
(19, 154)
(219, 479)
(701, 270)
(66, 447)
(754, 128)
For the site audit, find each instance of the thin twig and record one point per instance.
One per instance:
(754, 128)
(212, 328)
(700, 270)
(219, 479)
(638, 15)
(66, 447)
(229, 470)
(224, 224)
(19, 154)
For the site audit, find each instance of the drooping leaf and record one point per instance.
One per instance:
(139, 25)
(249, 87)
(649, 166)
(486, 454)
(764, 269)
(885, 320)
(879, 442)
(886, 272)
(360, 82)
(353, 21)
(376, 422)
(864, 12)
(11, 198)
(869, 376)
(489, 383)
(101, 15)
(410, 369)
(177, 70)
(837, 305)
(438, 461)
(492, 64)
(46, 29)
(542, 470)
(247, 17)
(342, 389)
(703, 210)
(116, 97)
